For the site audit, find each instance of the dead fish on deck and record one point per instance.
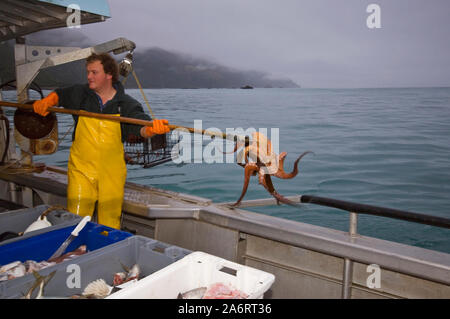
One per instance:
(41, 282)
(196, 293)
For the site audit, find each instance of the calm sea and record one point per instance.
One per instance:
(384, 147)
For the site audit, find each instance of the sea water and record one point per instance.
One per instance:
(386, 147)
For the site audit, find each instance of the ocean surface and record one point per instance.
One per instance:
(384, 147)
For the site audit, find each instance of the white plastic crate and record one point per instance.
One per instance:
(198, 269)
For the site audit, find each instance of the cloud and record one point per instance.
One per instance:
(318, 43)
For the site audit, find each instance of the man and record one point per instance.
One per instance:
(96, 167)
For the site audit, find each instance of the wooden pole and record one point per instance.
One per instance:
(122, 119)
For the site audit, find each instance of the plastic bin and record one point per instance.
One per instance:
(151, 255)
(17, 221)
(42, 246)
(196, 270)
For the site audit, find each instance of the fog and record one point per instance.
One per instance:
(316, 43)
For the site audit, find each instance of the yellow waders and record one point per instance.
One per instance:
(97, 171)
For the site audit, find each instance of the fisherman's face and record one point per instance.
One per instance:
(97, 78)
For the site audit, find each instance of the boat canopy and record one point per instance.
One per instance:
(21, 17)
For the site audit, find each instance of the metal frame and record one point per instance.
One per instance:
(21, 17)
(29, 60)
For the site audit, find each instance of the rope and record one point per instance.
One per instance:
(65, 134)
(20, 169)
(142, 91)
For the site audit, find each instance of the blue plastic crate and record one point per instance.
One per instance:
(41, 247)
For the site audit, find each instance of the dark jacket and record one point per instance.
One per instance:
(81, 97)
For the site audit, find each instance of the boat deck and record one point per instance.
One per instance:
(308, 261)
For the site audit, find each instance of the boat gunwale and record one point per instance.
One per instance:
(416, 261)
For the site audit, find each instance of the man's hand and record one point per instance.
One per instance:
(159, 127)
(40, 106)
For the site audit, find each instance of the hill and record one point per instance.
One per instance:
(156, 68)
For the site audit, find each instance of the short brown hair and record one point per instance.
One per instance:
(109, 64)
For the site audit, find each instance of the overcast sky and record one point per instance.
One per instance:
(316, 43)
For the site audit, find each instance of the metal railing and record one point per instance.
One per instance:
(377, 211)
(354, 209)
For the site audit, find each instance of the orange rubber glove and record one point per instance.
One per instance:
(159, 127)
(40, 106)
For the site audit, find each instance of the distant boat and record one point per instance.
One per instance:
(247, 87)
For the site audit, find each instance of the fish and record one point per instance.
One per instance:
(100, 289)
(18, 269)
(134, 273)
(129, 275)
(70, 255)
(196, 293)
(119, 278)
(9, 266)
(32, 265)
(12, 270)
(222, 291)
(41, 282)
(17, 272)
